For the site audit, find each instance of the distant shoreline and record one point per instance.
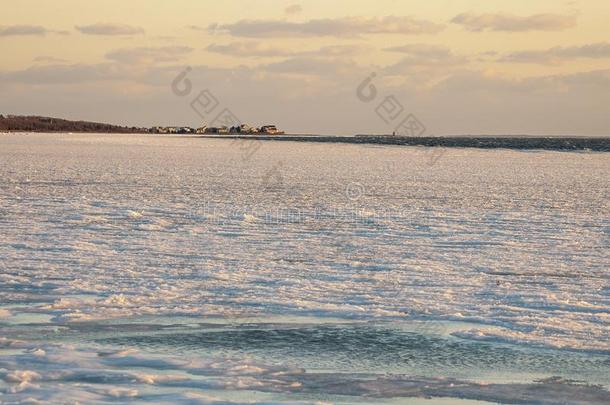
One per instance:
(34, 123)
(601, 144)
(515, 142)
(37, 124)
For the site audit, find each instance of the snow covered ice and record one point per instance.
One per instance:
(180, 270)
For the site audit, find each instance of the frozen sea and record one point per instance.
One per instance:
(177, 270)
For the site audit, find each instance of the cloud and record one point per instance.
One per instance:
(109, 29)
(328, 62)
(66, 74)
(513, 23)
(339, 27)
(259, 50)
(311, 67)
(20, 30)
(473, 81)
(293, 9)
(337, 51)
(321, 99)
(85, 75)
(144, 55)
(422, 50)
(48, 59)
(560, 54)
(595, 79)
(417, 55)
(248, 49)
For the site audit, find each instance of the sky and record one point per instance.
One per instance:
(539, 67)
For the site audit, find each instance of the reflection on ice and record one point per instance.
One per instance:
(49, 371)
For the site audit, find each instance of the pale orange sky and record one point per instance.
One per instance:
(461, 66)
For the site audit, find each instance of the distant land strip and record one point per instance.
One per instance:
(32, 123)
(20, 123)
(596, 144)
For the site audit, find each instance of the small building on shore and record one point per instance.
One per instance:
(171, 130)
(217, 130)
(270, 130)
(243, 129)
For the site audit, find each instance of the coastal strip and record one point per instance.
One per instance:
(601, 144)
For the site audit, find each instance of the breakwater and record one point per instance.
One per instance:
(600, 144)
